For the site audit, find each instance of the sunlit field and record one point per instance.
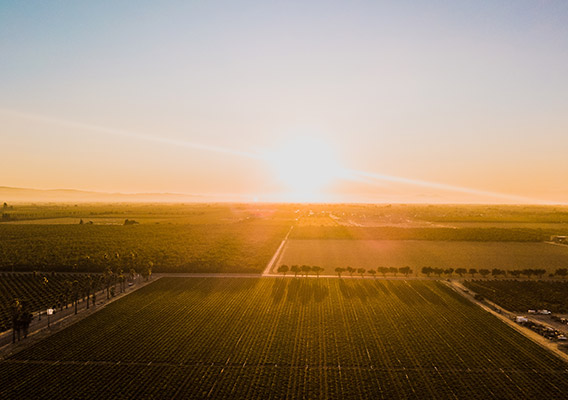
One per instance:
(330, 254)
(275, 338)
(175, 238)
(283, 200)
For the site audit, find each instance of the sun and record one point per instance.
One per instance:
(304, 166)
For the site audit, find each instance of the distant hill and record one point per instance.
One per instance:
(25, 195)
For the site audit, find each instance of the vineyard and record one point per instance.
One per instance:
(37, 291)
(524, 295)
(282, 338)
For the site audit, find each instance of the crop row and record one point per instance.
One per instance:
(524, 295)
(325, 338)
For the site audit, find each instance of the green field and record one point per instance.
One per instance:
(416, 254)
(282, 338)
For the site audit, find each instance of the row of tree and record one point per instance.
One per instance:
(21, 319)
(306, 269)
(72, 292)
(495, 272)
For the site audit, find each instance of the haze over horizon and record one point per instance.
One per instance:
(298, 101)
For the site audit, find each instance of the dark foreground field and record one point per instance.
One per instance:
(286, 338)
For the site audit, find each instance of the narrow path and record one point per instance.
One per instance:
(535, 337)
(274, 260)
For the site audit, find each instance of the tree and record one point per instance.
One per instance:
(88, 287)
(484, 272)
(461, 271)
(405, 270)
(283, 269)
(472, 271)
(383, 271)
(373, 273)
(528, 272)
(449, 271)
(561, 272)
(540, 272)
(68, 291)
(361, 271)
(317, 269)
(427, 271)
(496, 272)
(122, 280)
(351, 270)
(515, 273)
(44, 283)
(339, 271)
(306, 269)
(21, 319)
(75, 288)
(147, 270)
(16, 312)
(393, 270)
(107, 279)
(295, 269)
(438, 271)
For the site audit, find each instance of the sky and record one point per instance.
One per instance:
(369, 101)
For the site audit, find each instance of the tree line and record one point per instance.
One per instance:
(70, 292)
(305, 270)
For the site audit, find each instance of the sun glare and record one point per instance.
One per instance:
(304, 166)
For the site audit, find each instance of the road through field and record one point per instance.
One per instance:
(273, 261)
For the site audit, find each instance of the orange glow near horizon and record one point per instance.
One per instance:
(305, 166)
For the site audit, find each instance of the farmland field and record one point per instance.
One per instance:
(416, 254)
(175, 238)
(523, 295)
(277, 338)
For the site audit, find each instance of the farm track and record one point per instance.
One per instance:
(277, 255)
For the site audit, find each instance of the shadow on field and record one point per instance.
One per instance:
(278, 290)
(300, 290)
(428, 294)
(360, 289)
(206, 286)
(404, 293)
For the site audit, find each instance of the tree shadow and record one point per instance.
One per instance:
(305, 291)
(278, 290)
